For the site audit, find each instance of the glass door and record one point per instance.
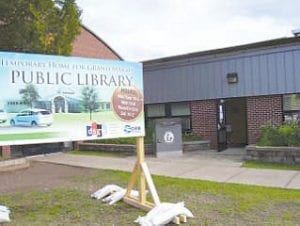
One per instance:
(222, 134)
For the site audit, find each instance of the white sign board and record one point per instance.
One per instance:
(54, 98)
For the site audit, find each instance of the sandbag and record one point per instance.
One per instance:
(4, 214)
(167, 216)
(105, 191)
(155, 211)
(118, 195)
(163, 214)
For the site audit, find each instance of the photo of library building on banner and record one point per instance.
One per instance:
(227, 95)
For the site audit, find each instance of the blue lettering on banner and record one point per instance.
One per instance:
(132, 129)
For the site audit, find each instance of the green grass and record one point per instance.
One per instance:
(27, 136)
(100, 153)
(264, 165)
(129, 140)
(212, 203)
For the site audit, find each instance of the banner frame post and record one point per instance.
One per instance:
(141, 175)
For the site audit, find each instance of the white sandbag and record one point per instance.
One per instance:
(155, 211)
(105, 191)
(163, 213)
(161, 208)
(167, 216)
(118, 195)
(112, 196)
(4, 214)
(4, 209)
(143, 221)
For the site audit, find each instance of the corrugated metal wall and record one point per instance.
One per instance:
(260, 72)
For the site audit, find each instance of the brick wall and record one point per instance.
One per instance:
(87, 44)
(204, 120)
(261, 111)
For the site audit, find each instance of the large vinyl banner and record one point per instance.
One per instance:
(54, 98)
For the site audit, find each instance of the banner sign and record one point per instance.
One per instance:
(55, 98)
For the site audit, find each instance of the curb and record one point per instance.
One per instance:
(14, 164)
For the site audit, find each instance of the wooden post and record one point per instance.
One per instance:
(141, 174)
(141, 159)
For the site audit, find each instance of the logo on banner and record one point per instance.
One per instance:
(132, 129)
(94, 130)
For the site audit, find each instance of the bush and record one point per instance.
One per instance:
(284, 135)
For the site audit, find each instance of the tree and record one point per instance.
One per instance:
(29, 94)
(89, 100)
(40, 26)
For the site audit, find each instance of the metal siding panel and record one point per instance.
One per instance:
(205, 81)
(297, 70)
(264, 74)
(218, 79)
(260, 73)
(289, 71)
(272, 74)
(280, 72)
(239, 70)
(201, 79)
(210, 74)
(248, 76)
(151, 87)
(225, 91)
(174, 88)
(256, 75)
(231, 67)
(196, 83)
(158, 81)
(188, 82)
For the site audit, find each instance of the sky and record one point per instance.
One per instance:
(141, 30)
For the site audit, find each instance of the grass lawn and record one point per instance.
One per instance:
(27, 136)
(264, 165)
(212, 203)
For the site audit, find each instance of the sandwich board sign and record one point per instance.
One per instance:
(47, 98)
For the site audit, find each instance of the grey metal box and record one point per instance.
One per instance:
(168, 137)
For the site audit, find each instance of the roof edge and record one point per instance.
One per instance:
(255, 45)
(101, 40)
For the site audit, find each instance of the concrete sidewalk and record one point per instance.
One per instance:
(205, 165)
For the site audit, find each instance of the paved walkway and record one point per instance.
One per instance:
(206, 165)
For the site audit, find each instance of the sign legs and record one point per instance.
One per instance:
(142, 176)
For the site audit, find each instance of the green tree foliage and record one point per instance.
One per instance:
(89, 100)
(29, 94)
(39, 26)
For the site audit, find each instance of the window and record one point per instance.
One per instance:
(291, 107)
(179, 110)
(156, 110)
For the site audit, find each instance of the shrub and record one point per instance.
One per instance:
(284, 135)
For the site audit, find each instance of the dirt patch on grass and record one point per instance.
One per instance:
(40, 176)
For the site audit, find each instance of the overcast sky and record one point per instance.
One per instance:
(147, 29)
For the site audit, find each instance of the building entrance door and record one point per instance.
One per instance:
(232, 123)
(221, 124)
(236, 122)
